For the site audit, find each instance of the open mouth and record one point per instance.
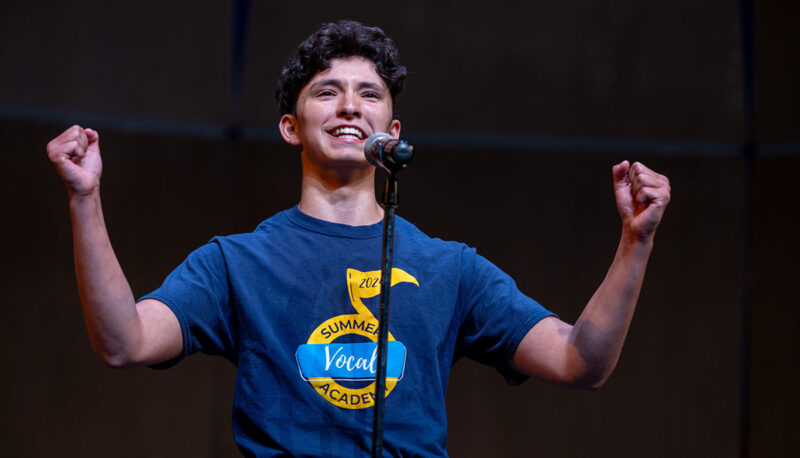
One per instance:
(348, 132)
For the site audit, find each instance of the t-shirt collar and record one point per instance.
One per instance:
(310, 223)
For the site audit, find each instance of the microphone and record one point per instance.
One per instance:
(383, 150)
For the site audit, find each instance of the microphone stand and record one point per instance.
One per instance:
(389, 209)
(400, 160)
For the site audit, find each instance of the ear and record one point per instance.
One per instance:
(288, 127)
(394, 128)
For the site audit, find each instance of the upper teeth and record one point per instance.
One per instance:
(351, 132)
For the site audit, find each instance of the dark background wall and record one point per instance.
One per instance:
(518, 112)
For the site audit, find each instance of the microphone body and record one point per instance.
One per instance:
(384, 151)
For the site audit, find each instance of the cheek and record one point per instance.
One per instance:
(308, 112)
(381, 116)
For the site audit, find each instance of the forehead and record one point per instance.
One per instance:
(349, 69)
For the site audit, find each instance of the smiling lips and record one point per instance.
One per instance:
(348, 132)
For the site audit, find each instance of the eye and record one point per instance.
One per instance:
(325, 93)
(371, 95)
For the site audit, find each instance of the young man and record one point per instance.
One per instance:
(293, 304)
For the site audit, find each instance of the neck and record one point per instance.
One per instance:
(340, 196)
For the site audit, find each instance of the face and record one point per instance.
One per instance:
(337, 111)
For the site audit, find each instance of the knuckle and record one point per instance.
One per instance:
(72, 146)
(74, 132)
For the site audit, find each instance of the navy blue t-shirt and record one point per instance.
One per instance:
(294, 306)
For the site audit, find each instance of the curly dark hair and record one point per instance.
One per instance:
(334, 40)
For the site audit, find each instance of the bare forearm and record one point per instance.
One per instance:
(108, 304)
(584, 355)
(600, 331)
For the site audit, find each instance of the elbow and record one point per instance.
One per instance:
(590, 371)
(590, 380)
(116, 363)
(592, 384)
(115, 352)
(115, 359)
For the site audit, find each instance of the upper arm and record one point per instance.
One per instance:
(546, 352)
(159, 333)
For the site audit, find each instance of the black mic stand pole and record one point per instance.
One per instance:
(403, 154)
(389, 209)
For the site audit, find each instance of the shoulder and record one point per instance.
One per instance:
(408, 229)
(445, 256)
(277, 222)
(408, 233)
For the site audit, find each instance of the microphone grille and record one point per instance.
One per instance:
(378, 136)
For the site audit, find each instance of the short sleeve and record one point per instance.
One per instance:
(497, 315)
(198, 292)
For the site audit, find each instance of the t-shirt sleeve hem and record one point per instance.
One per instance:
(512, 376)
(185, 333)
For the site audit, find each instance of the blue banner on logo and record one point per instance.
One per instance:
(349, 361)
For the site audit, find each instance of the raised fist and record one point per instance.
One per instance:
(76, 155)
(642, 195)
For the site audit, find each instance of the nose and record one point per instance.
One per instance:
(349, 106)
